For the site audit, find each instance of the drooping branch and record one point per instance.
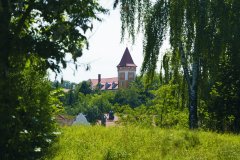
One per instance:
(115, 4)
(155, 32)
(184, 65)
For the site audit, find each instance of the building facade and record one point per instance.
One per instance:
(126, 73)
(104, 83)
(126, 70)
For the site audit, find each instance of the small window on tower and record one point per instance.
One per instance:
(122, 76)
(131, 76)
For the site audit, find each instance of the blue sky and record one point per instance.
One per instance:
(105, 50)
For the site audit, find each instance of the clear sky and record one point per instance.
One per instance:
(105, 50)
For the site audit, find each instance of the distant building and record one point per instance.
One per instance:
(126, 73)
(104, 83)
(126, 70)
(81, 120)
(64, 120)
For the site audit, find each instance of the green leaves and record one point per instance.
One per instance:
(166, 107)
(54, 101)
(49, 28)
(27, 109)
(155, 30)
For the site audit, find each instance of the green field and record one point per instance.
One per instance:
(113, 143)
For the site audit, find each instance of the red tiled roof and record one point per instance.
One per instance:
(107, 83)
(126, 60)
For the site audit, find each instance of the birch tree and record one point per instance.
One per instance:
(202, 32)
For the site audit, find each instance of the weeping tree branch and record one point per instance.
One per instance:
(115, 4)
(157, 18)
(184, 65)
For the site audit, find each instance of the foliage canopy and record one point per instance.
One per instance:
(47, 28)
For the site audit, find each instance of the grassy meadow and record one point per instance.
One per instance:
(113, 143)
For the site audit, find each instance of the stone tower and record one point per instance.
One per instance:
(126, 70)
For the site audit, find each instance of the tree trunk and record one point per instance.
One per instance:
(193, 119)
(192, 82)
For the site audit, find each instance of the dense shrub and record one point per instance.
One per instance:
(27, 125)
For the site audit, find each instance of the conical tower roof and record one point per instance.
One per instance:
(126, 60)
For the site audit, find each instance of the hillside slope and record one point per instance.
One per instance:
(99, 143)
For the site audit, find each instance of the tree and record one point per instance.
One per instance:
(128, 96)
(202, 32)
(49, 29)
(85, 88)
(46, 30)
(225, 99)
(166, 107)
(28, 128)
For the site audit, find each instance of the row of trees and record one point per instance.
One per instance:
(160, 105)
(164, 101)
(94, 103)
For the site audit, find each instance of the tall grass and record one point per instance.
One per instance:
(135, 143)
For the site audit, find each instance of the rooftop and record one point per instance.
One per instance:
(106, 83)
(126, 60)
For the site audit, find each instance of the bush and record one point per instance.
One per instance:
(27, 127)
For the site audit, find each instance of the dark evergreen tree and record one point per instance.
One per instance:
(85, 88)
